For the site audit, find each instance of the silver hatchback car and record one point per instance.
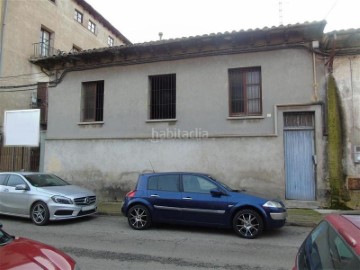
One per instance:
(43, 197)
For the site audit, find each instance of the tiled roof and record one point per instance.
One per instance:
(195, 46)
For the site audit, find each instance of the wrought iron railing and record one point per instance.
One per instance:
(43, 49)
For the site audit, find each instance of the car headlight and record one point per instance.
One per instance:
(272, 204)
(61, 199)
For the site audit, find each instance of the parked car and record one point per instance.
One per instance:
(333, 244)
(43, 197)
(25, 254)
(199, 199)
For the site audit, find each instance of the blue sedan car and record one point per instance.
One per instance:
(199, 199)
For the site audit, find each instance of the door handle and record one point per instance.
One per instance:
(5, 190)
(154, 195)
(187, 198)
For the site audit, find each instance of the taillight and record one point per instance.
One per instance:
(131, 194)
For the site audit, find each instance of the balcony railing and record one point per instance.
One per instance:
(42, 50)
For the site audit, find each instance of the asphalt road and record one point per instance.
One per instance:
(107, 242)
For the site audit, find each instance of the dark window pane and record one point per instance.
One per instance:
(245, 91)
(163, 97)
(93, 101)
(164, 183)
(15, 180)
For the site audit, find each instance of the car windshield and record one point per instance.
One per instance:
(222, 184)
(45, 180)
(5, 238)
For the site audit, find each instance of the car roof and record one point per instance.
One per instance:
(23, 173)
(348, 226)
(163, 173)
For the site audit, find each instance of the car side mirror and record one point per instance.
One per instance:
(21, 187)
(217, 193)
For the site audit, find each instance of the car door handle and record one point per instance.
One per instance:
(5, 190)
(187, 198)
(154, 195)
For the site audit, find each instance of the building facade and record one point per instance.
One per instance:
(246, 107)
(37, 29)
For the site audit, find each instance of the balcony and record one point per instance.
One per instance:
(42, 50)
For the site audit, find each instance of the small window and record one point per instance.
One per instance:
(78, 16)
(193, 183)
(15, 180)
(164, 183)
(91, 26)
(110, 41)
(92, 101)
(245, 91)
(163, 96)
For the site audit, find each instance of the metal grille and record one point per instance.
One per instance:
(163, 96)
(85, 200)
(299, 120)
(245, 91)
(92, 101)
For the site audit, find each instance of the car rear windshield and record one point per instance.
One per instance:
(45, 180)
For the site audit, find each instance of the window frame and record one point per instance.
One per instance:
(78, 15)
(158, 91)
(97, 111)
(45, 41)
(111, 41)
(242, 73)
(91, 26)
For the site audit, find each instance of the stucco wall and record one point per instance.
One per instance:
(201, 96)
(347, 75)
(113, 165)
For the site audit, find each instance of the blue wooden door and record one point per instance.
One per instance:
(300, 163)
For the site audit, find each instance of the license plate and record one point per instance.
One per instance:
(87, 208)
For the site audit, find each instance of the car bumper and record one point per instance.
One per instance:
(70, 211)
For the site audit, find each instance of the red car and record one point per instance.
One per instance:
(25, 254)
(333, 244)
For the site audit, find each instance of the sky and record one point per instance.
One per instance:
(142, 20)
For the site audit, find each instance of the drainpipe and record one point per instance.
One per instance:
(315, 45)
(3, 17)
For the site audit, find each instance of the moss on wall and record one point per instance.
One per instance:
(335, 147)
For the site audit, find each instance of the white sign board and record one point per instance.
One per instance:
(22, 128)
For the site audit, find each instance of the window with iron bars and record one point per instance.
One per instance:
(162, 96)
(245, 94)
(92, 101)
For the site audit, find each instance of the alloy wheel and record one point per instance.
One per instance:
(40, 213)
(248, 224)
(139, 217)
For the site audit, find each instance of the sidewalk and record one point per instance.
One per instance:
(296, 216)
